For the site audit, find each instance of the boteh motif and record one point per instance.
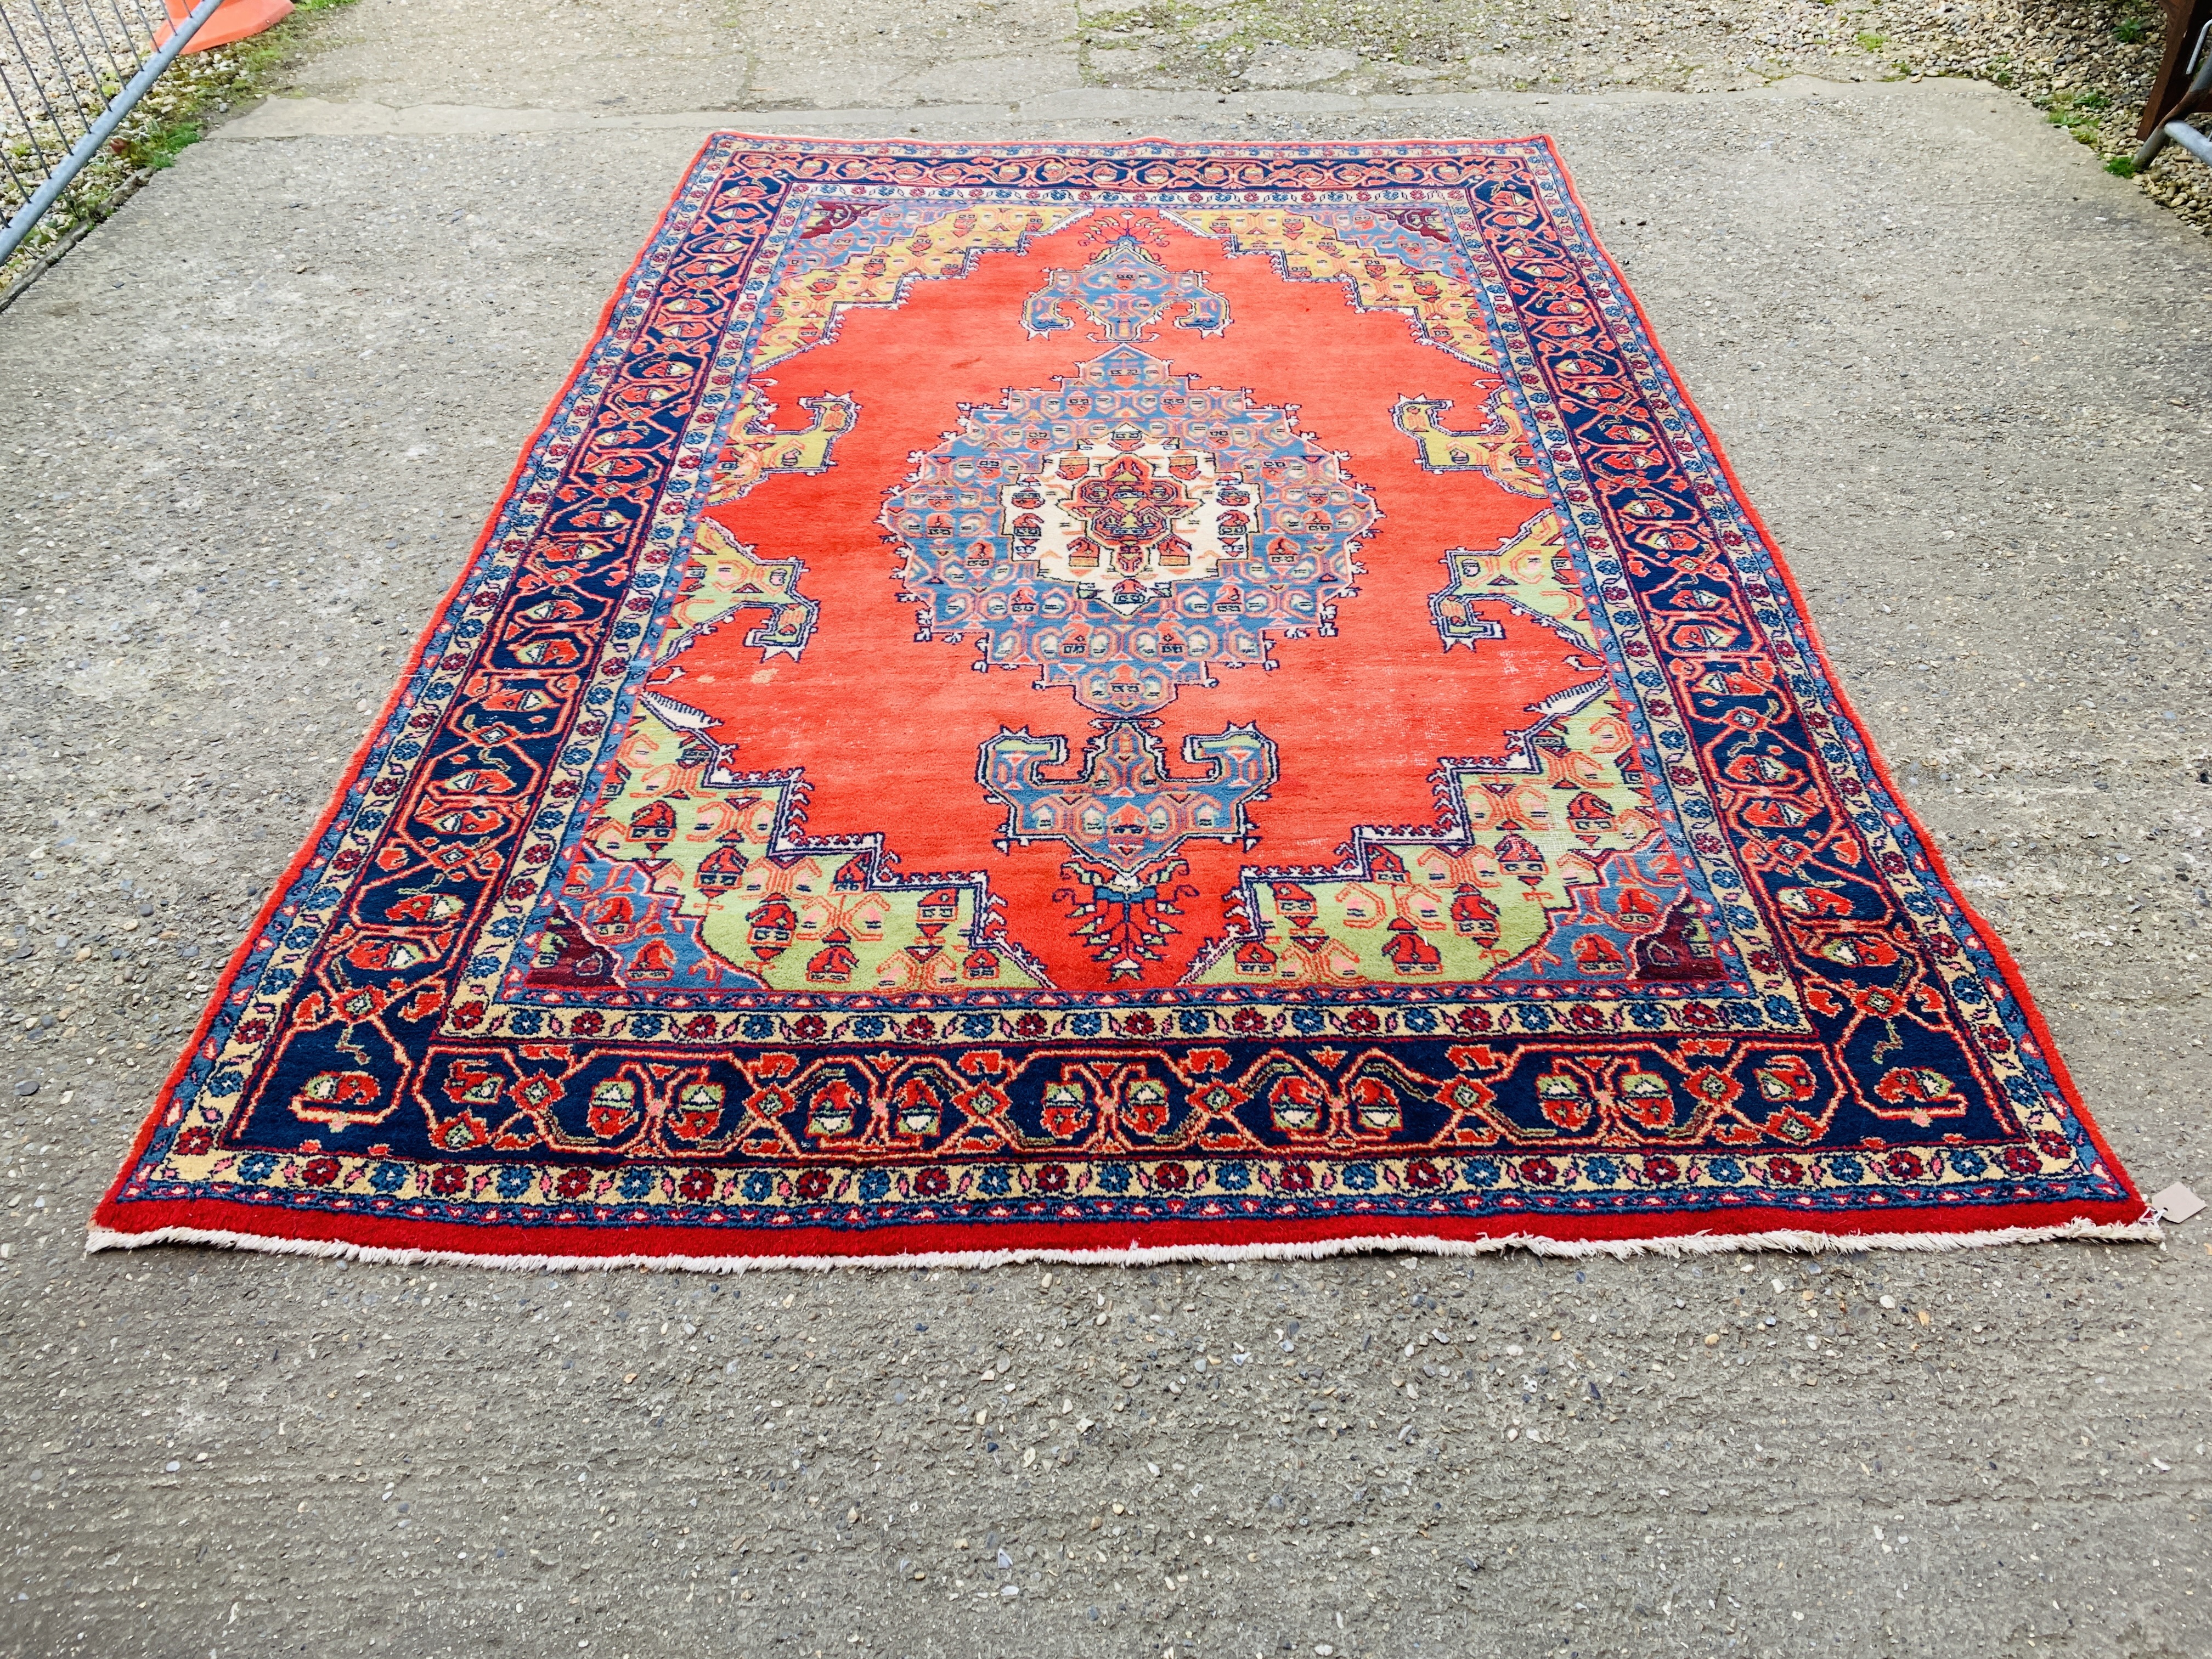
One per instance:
(1149, 697)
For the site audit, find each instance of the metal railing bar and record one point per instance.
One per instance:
(38, 85)
(122, 25)
(16, 185)
(153, 23)
(102, 130)
(84, 53)
(92, 86)
(20, 190)
(2171, 132)
(73, 100)
(23, 57)
(2190, 139)
(30, 127)
(123, 72)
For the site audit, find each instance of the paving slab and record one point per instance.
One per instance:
(256, 420)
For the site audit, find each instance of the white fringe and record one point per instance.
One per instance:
(1137, 1254)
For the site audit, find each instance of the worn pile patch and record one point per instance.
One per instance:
(1153, 699)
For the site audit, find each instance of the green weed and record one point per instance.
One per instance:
(160, 146)
(2078, 113)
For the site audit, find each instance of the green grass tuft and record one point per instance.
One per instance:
(160, 146)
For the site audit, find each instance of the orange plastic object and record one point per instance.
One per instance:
(233, 19)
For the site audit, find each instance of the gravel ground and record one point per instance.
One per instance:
(2087, 65)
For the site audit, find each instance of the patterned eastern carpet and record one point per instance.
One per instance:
(1155, 699)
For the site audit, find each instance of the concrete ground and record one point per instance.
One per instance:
(253, 423)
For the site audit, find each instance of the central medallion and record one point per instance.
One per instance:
(1122, 513)
(1127, 533)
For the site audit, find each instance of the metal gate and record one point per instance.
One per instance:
(70, 70)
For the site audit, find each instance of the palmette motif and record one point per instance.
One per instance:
(567, 973)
